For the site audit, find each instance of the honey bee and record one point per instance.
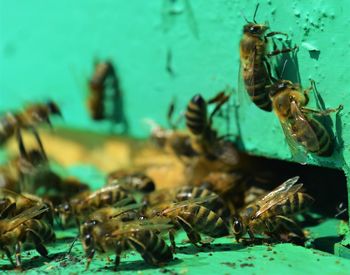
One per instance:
(97, 85)
(193, 218)
(172, 140)
(85, 203)
(206, 140)
(25, 230)
(29, 119)
(131, 181)
(255, 68)
(300, 127)
(116, 237)
(274, 210)
(12, 204)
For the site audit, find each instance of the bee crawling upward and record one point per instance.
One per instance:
(299, 124)
(273, 212)
(255, 68)
(206, 140)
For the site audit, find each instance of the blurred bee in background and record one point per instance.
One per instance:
(83, 204)
(29, 119)
(172, 140)
(301, 128)
(206, 141)
(25, 230)
(255, 68)
(273, 213)
(114, 236)
(131, 181)
(97, 85)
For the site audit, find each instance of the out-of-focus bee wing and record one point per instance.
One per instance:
(105, 189)
(302, 124)
(134, 226)
(185, 203)
(278, 195)
(26, 215)
(125, 209)
(8, 193)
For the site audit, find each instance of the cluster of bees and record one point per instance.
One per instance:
(129, 212)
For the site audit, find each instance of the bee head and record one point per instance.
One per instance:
(279, 86)
(254, 29)
(86, 233)
(64, 213)
(53, 108)
(238, 228)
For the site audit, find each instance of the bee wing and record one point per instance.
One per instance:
(185, 203)
(278, 195)
(298, 152)
(98, 192)
(26, 215)
(302, 124)
(125, 209)
(8, 193)
(242, 95)
(135, 226)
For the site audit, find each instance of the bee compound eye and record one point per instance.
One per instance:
(237, 227)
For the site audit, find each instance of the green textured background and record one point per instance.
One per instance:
(47, 50)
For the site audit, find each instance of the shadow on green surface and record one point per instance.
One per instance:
(191, 249)
(138, 265)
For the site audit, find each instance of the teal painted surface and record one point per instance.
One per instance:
(47, 50)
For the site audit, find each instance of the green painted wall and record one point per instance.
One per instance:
(47, 49)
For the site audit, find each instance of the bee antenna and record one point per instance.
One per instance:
(283, 68)
(245, 18)
(256, 10)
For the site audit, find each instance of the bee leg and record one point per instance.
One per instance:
(21, 147)
(268, 69)
(142, 249)
(172, 240)
(4, 213)
(38, 244)
(18, 255)
(8, 255)
(322, 112)
(38, 140)
(270, 34)
(90, 255)
(251, 235)
(118, 252)
(285, 50)
(193, 236)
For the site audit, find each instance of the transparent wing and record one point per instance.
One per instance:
(8, 193)
(26, 215)
(135, 226)
(278, 195)
(181, 204)
(298, 152)
(308, 138)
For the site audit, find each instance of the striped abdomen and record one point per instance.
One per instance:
(324, 145)
(151, 246)
(294, 204)
(216, 204)
(204, 220)
(41, 229)
(254, 72)
(196, 115)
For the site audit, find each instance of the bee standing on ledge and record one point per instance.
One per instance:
(299, 126)
(255, 69)
(273, 212)
(29, 119)
(23, 230)
(114, 236)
